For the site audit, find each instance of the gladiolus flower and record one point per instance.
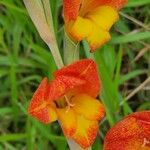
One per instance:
(91, 19)
(132, 133)
(70, 99)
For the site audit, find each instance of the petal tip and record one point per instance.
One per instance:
(86, 132)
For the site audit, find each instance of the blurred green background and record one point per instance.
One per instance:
(124, 63)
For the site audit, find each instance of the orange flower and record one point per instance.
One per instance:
(132, 133)
(91, 19)
(70, 99)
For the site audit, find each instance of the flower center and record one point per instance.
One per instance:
(65, 101)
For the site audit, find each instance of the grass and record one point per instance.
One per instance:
(25, 60)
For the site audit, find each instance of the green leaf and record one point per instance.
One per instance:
(130, 37)
(12, 137)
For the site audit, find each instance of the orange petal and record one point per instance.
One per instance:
(104, 17)
(68, 121)
(89, 5)
(62, 84)
(79, 29)
(132, 133)
(71, 8)
(52, 113)
(143, 120)
(97, 37)
(94, 27)
(117, 4)
(86, 70)
(86, 132)
(39, 107)
(89, 107)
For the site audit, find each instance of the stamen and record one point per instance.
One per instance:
(69, 105)
(68, 102)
